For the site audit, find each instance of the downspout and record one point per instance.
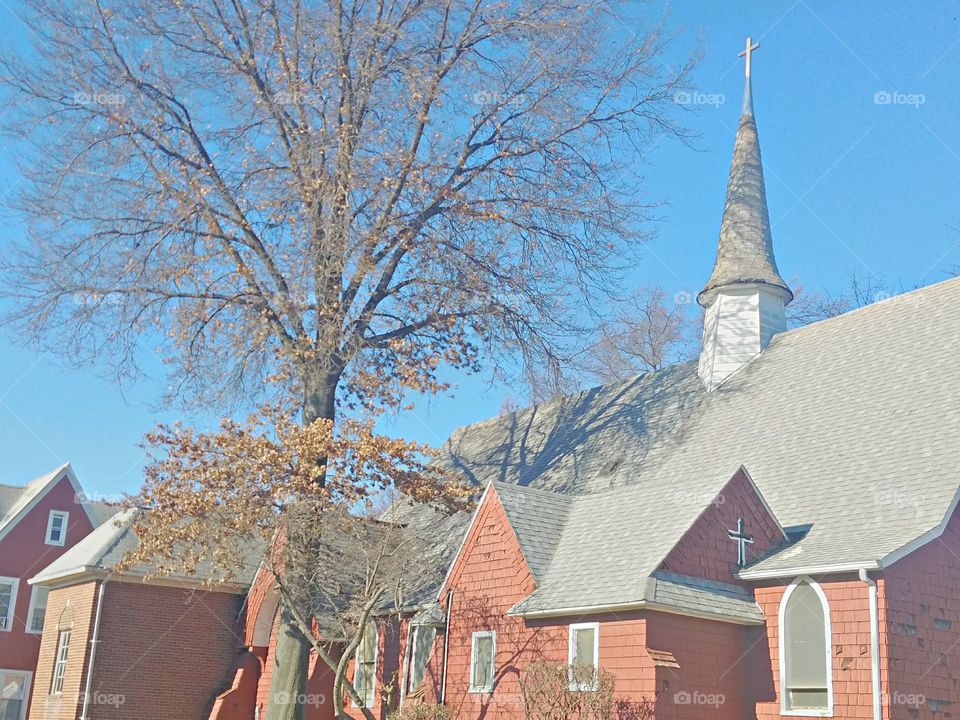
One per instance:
(93, 649)
(446, 646)
(405, 669)
(874, 643)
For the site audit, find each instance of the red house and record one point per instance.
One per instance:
(769, 531)
(38, 523)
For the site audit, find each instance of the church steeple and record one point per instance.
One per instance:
(745, 295)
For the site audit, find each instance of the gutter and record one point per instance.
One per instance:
(636, 605)
(93, 650)
(808, 570)
(874, 643)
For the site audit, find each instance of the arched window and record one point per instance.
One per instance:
(805, 673)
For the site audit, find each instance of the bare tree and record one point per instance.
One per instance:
(647, 332)
(809, 307)
(343, 197)
(340, 574)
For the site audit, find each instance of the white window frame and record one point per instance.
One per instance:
(492, 634)
(63, 532)
(571, 650)
(34, 590)
(28, 682)
(356, 668)
(6, 624)
(60, 663)
(417, 629)
(782, 642)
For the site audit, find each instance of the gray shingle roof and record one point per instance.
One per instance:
(608, 547)
(101, 551)
(851, 425)
(538, 517)
(745, 251)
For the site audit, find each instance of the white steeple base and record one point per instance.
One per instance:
(739, 323)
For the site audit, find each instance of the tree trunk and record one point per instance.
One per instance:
(288, 684)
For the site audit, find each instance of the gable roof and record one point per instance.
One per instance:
(850, 425)
(98, 554)
(604, 550)
(17, 501)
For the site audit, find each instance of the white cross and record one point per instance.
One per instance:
(747, 52)
(740, 535)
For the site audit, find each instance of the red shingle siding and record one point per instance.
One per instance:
(850, 646)
(920, 630)
(706, 551)
(715, 661)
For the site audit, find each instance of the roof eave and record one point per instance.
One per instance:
(790, 572)
(635, 605)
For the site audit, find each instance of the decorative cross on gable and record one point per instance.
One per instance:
(742, 539)
(748, 51)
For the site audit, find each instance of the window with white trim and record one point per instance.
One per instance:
(60, 665)
(57, 527)
(582, 655)
(423, 637)
(483, 651)
(8, 601)
(805, 650)
(37, 610)
(14, 691)
(365, 665)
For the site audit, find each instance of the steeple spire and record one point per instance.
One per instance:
(745, 295)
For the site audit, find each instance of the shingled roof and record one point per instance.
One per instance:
(603, 550)
(745, 251)
(850, 426)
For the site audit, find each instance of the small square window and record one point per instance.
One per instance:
(57, 527)
(482, 654)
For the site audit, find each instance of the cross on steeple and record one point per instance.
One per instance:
(742, 540)
(747, 52)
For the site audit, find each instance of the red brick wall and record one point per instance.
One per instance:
(706, 551)
(850, 646)
(920, 630)
(165, 652)
(23, 554)
(71, 607)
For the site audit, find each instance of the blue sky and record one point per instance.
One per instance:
(859, 118)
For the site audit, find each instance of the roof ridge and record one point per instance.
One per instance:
(873, 306)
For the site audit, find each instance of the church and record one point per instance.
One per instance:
(767, 531)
